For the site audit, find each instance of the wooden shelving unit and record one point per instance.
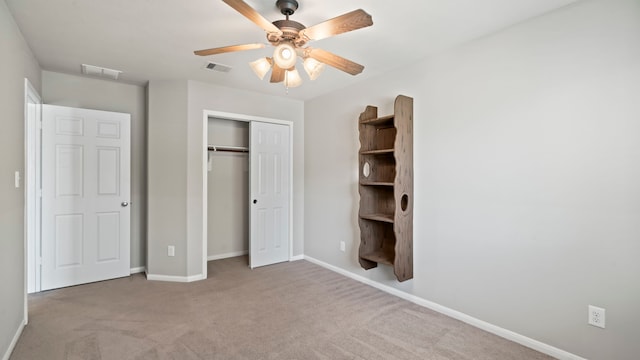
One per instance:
(386, 188)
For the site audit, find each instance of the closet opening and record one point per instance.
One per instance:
(247, 188)
(228, 188)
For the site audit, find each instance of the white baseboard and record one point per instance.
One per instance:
(137, 270)
(227, 255)
(297, 257)
(173, 278)
(496, 330)
(14, 341)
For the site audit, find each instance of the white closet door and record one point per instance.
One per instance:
(85, 196)
(270, 188)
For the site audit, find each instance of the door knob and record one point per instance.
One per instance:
(124, 203)
(255, 201)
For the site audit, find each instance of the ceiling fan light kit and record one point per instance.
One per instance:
(292, 78)
(261, 66)
(313, 67)
(290, 39)
(285, 55)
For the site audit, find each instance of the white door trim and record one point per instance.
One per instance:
(32, 140)
(246, 118)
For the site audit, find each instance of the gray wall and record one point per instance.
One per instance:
(90, 93)
(527, 179)
(228, 189)
(16, 63)
(166, 177)
(175, 174)
(204, 96)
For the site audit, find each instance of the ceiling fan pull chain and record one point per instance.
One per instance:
(286, 82)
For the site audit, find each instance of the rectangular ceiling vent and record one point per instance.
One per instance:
(100, 72)
(217, 67)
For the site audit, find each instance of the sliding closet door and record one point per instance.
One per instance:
(270, 191)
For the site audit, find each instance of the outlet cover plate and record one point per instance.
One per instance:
(596, 316)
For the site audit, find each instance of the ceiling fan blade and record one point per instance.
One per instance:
(226, 49)
(354, 20)
(334, 60)
(248, 12)
(277, 74)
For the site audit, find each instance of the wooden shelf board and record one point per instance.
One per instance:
(380, 256)
(378, 217)
(377, 152)
(375, 183)
(385, 120)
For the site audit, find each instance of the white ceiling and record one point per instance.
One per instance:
(155, 39)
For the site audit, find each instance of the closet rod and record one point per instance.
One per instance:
(238, 149)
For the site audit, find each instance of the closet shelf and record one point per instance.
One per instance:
(224, 148)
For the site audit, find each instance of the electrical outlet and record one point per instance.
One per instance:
(596, 316)
(171, 250)
(342, 246)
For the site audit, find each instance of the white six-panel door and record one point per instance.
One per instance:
(85, 196)
(270, 190)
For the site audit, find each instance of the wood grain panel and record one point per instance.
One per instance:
(227, 49)
(277, 74)
(403, 264)
(251, 14)
(335, 61)
(354, 20)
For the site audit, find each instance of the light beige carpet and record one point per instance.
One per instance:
(292, 310)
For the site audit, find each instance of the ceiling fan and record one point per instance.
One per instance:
(290, 37)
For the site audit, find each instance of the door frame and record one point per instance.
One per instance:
(244, 118)
(32, 166)
(32, 214)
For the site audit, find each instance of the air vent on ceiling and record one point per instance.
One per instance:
(217, 67)
(100, 71)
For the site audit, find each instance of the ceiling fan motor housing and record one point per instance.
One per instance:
(290, 32)
(290, 29)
